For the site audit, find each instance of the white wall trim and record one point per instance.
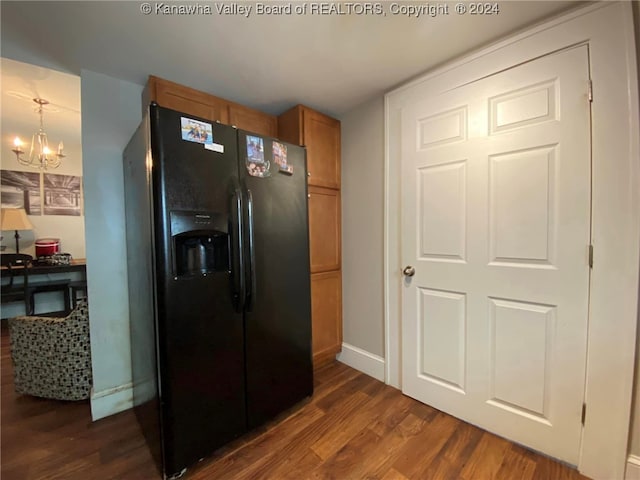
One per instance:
(111, 401)
(607, 28)
(633, 468)
(391, 261)
(366, 362)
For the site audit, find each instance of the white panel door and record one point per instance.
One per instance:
(496, 223)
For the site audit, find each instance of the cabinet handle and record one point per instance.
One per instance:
(308, 174)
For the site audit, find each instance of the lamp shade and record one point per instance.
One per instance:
(15, 219)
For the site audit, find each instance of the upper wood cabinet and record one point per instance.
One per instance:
(253, 120)
(200, 104)
(184, 99)
(321, 135)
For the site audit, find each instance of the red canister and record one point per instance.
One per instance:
(47, 246)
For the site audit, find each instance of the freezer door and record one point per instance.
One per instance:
(278, 302)
(200, 325)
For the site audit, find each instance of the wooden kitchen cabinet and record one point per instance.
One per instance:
(321, 135)
(184, 99)
(324, 229)
(253, 120)
(200, 104)
(326, 314)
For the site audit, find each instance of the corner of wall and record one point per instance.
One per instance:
(363, 361)
(111, 401)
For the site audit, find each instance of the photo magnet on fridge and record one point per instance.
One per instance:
(255, 149)
(280, 157)
(256, 164)
(196, 131)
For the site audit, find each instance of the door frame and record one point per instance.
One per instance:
(607, 29)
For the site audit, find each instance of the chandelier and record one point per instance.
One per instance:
(40, 155)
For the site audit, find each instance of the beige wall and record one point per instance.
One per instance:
(362, 226)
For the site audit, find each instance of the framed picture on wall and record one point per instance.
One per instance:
(62, 194)
(21, 190)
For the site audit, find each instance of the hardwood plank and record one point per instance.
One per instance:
(329, 400)
(516, 465)
(486, 458)
(548, 468)
(382, 455)
(462, 443)
(343, 463)
(327, 446)
(392, 417)
(294, 467)
(328, 372)
(394, 475)
(455, 453)
(330, 378)
(439, 469)
(423, 411)
(418, 454)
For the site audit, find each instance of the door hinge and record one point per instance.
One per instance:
(584, 412)
(590, 91)
(590, 256)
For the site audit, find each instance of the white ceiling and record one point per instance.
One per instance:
(21, 83)
(329, 62)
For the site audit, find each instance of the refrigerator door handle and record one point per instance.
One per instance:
(251, 288)
(237, 267)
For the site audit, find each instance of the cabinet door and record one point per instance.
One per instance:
(321, 136)
(326, 316)
(190, 101)
(324, 229)
(253, 120)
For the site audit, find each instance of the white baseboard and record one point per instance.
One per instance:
(111, 401)
(633, 468)
(372, 365)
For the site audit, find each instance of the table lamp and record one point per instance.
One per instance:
(15, 219)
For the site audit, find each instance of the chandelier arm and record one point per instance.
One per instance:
(40, 156)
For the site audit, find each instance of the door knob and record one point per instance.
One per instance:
(409, 271)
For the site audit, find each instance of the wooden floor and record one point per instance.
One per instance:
(353, 428)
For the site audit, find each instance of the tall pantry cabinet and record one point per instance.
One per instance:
(321, 135)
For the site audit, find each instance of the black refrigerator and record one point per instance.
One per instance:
(219, 285)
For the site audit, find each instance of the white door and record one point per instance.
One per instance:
(496, 223)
